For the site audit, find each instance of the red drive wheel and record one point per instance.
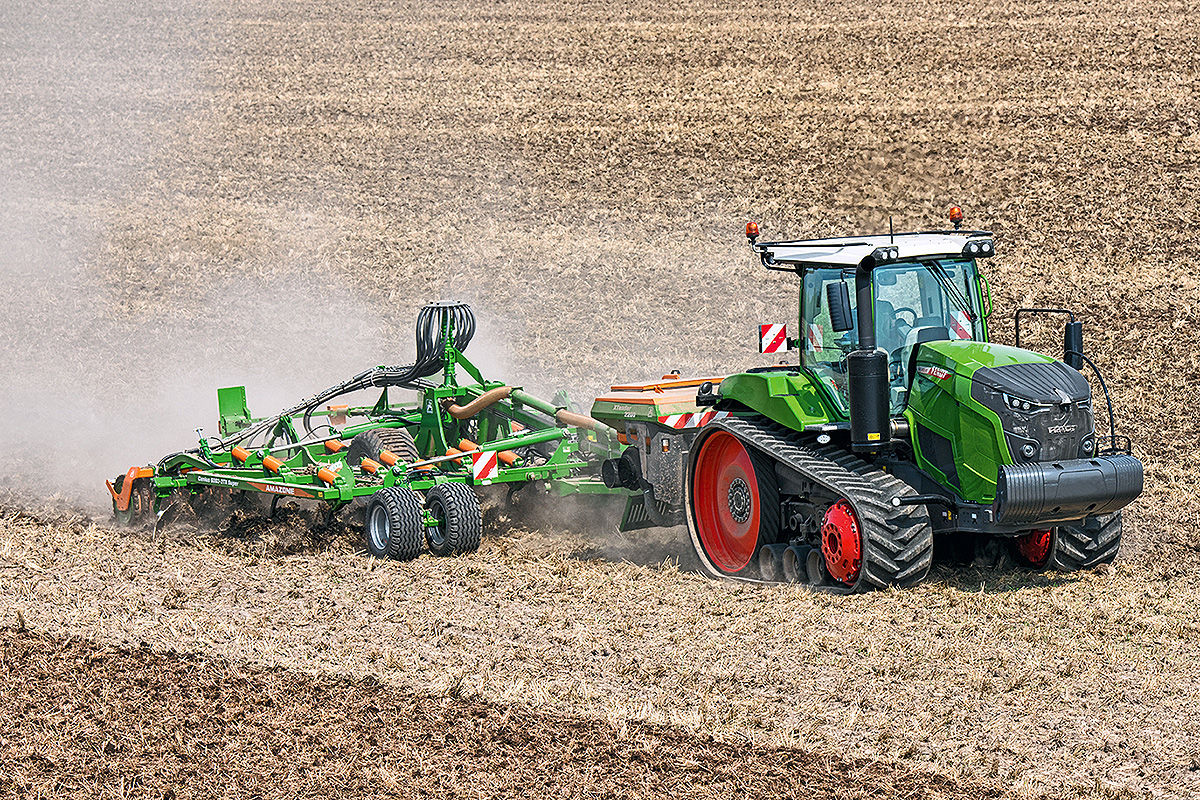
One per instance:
(1033, 549)
(733, 510)
(841, 543)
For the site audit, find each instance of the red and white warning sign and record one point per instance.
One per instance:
(815, 338)
(692, 420)
(960, 325)
(772, 338)
(485, 466)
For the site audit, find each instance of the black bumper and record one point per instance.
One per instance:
(1064, 491)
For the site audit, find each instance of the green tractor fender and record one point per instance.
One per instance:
(787, 396)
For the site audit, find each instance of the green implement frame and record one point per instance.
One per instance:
(452, 424)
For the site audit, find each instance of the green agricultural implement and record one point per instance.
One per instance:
(409, 467)
(900, 424)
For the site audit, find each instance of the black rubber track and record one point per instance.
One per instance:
(462, 528)
(897, 541)
(1089, 544)
(406, 524)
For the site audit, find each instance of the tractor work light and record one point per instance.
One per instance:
(884, 254)
(979, 248)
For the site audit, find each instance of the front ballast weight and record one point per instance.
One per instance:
(407, 468)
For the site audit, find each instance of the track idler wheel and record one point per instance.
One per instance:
(459, 519)
(735, 503)
(395, 524)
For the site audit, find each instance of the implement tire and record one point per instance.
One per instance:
(460, 520)
(400, 442)
(365, 445)
(395, 526)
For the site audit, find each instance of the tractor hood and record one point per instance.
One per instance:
(964, 356)
(1009, 370)
(977, 406)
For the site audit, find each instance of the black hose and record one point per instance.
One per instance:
(431, 322)
(1112, 424)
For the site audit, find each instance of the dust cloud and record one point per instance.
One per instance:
(96, 377)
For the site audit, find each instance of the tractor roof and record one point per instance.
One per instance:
(850, 251)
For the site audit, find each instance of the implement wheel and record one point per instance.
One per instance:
(400, 442)
(365, 445)
(124, 518)
(734, 502)
(395, 526)
(459, 518)
(141, 501)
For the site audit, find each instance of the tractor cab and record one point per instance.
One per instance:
(915, 301)
(920, 287)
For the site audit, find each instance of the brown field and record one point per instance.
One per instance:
(206, 193)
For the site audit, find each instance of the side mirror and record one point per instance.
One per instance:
(1073, 345)
(838, 295)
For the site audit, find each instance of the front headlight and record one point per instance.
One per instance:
(1023, 404)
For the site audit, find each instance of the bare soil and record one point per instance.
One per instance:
(78, 720)
(200, 194)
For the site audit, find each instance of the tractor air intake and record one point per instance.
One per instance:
(867, 371)
(870, 421)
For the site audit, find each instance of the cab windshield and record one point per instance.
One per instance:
(914, 302)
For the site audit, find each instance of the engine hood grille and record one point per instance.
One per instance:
(1041, 382)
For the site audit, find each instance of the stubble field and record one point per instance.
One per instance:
(202, 194)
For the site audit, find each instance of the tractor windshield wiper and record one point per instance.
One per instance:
(938, 271)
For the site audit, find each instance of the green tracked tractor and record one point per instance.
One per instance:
(899, 422)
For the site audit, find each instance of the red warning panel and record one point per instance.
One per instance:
(772, 338)
(960, 324)
(485, 466)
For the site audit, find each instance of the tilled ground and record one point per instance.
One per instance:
(1079, 685)
(78, 720)
(199, 194)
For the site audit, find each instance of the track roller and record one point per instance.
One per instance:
(795, 564)
(770, 562)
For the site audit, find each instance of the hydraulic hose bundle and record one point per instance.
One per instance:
(432, 322)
